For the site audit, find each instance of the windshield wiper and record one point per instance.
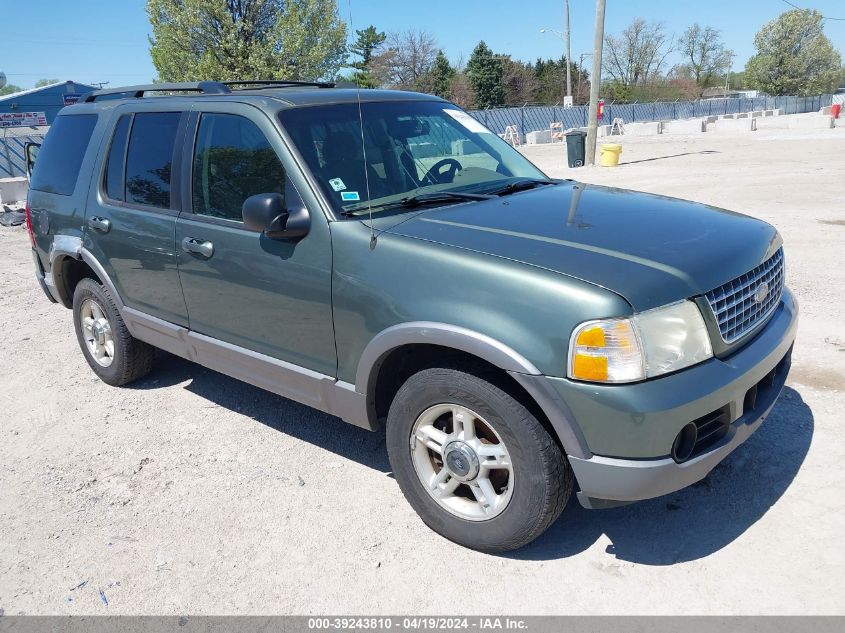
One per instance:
(519, 185)
(419, 200)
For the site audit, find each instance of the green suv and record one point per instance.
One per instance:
(383, 257)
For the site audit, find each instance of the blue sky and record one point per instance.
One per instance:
(106, 40)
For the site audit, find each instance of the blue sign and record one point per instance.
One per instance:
(71, 98)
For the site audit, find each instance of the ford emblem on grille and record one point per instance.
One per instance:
(762, 292)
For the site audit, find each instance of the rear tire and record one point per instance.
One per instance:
(481, 432)
(111, 351)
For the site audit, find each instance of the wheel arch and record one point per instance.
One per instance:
(382, 369)
(70, 262)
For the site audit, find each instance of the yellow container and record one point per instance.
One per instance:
(610, 154)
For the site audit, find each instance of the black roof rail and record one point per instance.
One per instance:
(204, 87)
(257, 84)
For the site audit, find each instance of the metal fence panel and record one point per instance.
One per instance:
(531, 117)
(12, 160)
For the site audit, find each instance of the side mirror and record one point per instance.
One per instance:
(266, 212)
(30, 151)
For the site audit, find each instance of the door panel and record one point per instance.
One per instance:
(135, 242)
(269, 296)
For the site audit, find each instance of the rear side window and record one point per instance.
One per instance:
(60, 158)
(150, 157)
(232, 161)
(117, 159)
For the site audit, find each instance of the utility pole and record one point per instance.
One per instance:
(568, 55)
(595, 85)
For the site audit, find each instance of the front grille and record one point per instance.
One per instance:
(735, 304)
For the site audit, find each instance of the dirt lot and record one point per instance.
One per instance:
(193, 493)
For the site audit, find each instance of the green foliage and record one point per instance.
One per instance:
(551, 81)
(9, 89)
(368, 42)
(46, 82)
(441, 75)
(485, 71)
(246, 39)
(369, 39)
(794, 57)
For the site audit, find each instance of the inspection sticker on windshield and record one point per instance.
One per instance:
(349, 196)
(337, 184)
(467, 121)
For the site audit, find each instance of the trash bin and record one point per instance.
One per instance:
(610, 154)
(575, 141)
(835, 109)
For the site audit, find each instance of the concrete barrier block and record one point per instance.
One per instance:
(736, 125)
(743, 115)
(777, 112)
(684, 126)
(811, 123)
(825, 110)
(712, 118)
(757, 113)
(727, 116)
(649, 128)
(464, 147)
(538, 137)
(773, 123)
(13, 189)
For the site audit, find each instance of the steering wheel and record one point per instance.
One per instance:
(438, 175)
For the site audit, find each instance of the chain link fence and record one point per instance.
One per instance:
(532, 117)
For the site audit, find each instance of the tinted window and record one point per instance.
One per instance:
(115, 163)
(232, 161)
(60, 158)
(150, 157)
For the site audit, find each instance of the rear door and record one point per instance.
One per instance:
(132, 210)
(268, 296)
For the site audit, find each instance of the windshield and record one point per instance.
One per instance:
(412, 149)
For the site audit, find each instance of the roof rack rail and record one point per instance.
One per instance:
(257, 84)
(204, 87)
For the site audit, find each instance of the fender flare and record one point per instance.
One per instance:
(70, 247)
(484, 347)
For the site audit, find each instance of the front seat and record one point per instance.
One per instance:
(344, 159)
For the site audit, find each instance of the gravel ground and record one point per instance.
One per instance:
(192, 493)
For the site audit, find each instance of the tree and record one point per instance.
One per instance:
(46, 82)
(551, 81)
(9, 89)
(637, 55)
(519, 82)
(705, 53)
(794, 57)
(484, 71)
(441, 75)
(246, 39)
(460, 92)
(368, 42)
(406, 61)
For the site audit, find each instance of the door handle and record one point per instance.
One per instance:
(198, 247)
(103, 225)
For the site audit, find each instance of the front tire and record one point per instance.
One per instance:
(473, 462)
(111, 351)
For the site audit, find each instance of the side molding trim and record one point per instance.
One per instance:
(282, 378)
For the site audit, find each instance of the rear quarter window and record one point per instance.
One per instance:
(60, 157)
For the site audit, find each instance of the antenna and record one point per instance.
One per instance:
(373, 236)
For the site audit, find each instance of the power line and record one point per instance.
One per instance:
(824, 17)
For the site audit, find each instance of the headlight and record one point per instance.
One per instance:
(645, 345)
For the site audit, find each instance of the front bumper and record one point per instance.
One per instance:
(627, 431)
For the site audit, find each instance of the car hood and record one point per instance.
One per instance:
(651, 250)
